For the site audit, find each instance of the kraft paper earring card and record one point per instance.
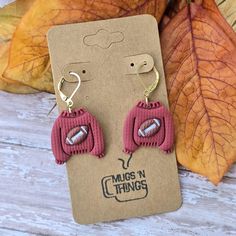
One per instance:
(106, 55)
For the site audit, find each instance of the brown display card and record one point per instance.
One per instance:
(105, 54)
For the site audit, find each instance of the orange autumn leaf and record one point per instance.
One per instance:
(226, 7)
(10, 17)
(200, 66)
(176, 5)
(29, 58)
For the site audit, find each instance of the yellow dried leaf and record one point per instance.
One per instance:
(7, 85)
(10, 16)
(29, 59)
(228, 10)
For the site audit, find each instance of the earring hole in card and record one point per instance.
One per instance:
(81, 68)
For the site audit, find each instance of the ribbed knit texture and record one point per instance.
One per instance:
(93, 143)
(164, 138)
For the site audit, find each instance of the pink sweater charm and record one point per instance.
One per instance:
(76, 132)
(148, 124)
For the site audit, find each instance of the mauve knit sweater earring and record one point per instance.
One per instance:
(148, 123)
(75, 131)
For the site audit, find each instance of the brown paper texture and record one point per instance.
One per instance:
(102, 52)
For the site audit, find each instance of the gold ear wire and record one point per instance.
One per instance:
(148, 90)
(65, 98)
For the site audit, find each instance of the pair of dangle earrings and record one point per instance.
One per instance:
(76, 131)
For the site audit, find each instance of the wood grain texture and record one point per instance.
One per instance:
(35, 199)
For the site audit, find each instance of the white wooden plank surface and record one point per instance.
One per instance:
(4, 2)
(35, 199)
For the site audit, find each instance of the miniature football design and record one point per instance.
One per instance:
(149, 128)
(77, 135)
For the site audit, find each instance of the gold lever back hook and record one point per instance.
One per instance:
(148, 90)
(65, 98)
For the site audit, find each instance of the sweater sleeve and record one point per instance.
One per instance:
(98, 148)
(167, 145)
(128, 133)
(56, 143)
